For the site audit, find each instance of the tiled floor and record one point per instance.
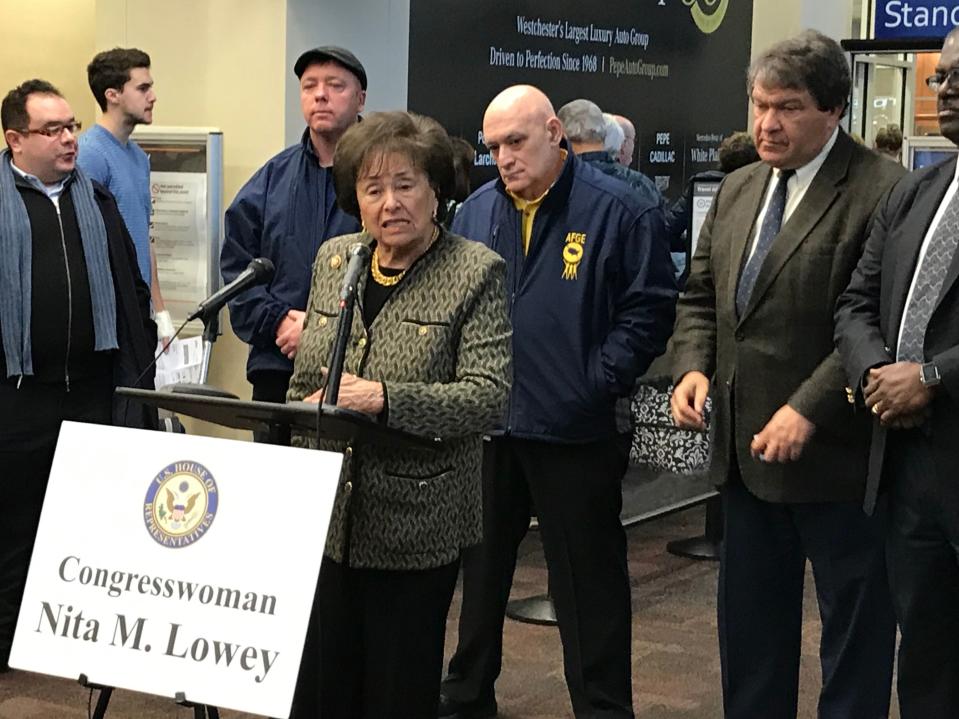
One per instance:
(675, 659)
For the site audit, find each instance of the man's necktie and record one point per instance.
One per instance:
(929, 278)
(772, 222)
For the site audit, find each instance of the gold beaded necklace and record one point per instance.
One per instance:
(390, 280)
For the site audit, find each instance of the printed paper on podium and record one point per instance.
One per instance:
(170, 563)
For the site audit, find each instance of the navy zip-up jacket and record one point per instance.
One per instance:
(592, 304)
(284, 212)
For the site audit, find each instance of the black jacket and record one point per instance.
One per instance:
(62, 339)
(870, 312)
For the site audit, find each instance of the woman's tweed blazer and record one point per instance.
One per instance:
(441, 347)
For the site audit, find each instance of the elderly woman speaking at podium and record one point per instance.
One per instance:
(429, 353)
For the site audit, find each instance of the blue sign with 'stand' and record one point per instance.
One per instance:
(897, 19)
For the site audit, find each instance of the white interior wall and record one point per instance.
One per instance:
(376, 31)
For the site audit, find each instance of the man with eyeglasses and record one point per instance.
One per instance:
(755, 332)
(285, 212)
(74, 316)
(123, 88)
(898, 334)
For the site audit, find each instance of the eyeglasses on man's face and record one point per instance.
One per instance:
(938, 79)
(54, 130)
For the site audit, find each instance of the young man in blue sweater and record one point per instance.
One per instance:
(123, 88)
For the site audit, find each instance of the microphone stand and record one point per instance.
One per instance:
(211, 330)
(343, 328)
(359, 256)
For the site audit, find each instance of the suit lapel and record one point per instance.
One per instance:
(908, 239)
(818, 199)
(754, 193)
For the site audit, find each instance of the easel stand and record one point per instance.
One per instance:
(200, 711)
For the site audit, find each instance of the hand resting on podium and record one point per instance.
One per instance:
(356, 393)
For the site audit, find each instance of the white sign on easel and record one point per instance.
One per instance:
(169, 563)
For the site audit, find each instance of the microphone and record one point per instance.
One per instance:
(359, 255)
(258, 272)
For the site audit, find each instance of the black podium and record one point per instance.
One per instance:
(323, 420)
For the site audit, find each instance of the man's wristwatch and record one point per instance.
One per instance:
(929, 374)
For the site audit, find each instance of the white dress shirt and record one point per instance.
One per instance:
(795, 188)
(53, 191)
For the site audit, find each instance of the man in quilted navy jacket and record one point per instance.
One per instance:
(285, 212)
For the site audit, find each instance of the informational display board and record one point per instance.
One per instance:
(186, 189)
(169, 563)
(703, 194)
(676, 68)
(920, 151)
(900, 19)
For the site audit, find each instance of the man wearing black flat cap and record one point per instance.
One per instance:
(285, 212)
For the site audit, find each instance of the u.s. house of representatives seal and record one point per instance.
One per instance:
(180, 504)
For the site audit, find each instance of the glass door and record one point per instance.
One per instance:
(883, 93)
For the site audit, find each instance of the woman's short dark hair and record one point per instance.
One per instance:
(417, 137)
(810, 61)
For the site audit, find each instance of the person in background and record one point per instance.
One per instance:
(889, 142)
(589, 131)
(122, 86)
(463, 157)
(284, 213)
(735, 151)
(628, 148)
(755, 332)
(614, 137)
(428, 354)
(74, 316)
(591, 298)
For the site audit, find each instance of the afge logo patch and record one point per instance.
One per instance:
(573, 253)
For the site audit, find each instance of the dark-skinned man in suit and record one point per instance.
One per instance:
(755, 330)
(897, 329)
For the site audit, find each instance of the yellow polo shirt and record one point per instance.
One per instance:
(528, 208)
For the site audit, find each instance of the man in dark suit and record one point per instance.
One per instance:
(780, 242)
(897, 329)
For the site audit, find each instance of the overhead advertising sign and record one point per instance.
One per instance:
(898, 19)
(168, 563)
(676, 68)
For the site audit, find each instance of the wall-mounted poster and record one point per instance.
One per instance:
(676, 68)
(186, 193)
